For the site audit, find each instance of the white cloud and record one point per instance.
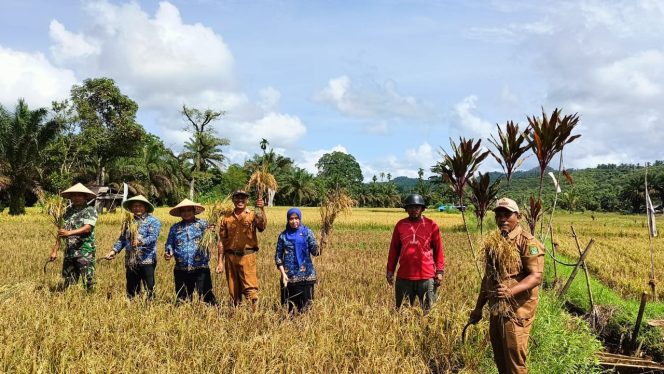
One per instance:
(32, 77)
(370, 100)
(606, 62)
(152, 55)
(468, 123)
(424, 156)
(162, 63)
(380, 128)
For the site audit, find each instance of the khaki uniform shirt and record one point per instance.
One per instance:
(531, 252)
(238, 232)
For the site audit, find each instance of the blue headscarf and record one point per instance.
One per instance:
(297, 236)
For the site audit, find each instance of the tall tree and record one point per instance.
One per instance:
(299, 186)
(155, 172)
(108, 123)
(23, 135)
(339, 170)
(203, 148)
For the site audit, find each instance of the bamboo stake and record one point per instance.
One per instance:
(549, 229)
(470, 242)
(593, 315)
(576, 268)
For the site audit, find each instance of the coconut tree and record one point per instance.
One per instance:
(299, 185)
(510, 147)
(456, 169)
(483, 195)
(23, 134)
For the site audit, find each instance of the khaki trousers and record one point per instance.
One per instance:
(509, 341)
(241, 277)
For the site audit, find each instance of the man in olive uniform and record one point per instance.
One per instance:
(79, 234)
(509, 332)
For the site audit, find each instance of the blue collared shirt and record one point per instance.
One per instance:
(182, 243)
(148, 232)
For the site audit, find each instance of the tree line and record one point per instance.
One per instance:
(94, 137)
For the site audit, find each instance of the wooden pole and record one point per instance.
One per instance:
(576, 268)
(585, 270)
(639, 319)
(652, 282)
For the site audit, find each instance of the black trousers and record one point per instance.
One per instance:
(140, 275)
(298, 296)
(199, 279)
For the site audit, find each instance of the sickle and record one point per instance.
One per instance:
(46, 265)
(463, 333)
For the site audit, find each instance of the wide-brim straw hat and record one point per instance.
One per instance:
(141, 199)
(186, 203)
(78, 188)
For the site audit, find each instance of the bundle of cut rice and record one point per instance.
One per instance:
(504, 260)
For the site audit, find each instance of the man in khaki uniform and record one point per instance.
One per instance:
(516, 290)
(237, 248)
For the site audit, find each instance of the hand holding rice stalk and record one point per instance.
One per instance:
(215, 211)
(504, 259)
(262, 180)
(129, 228)
(56, 206)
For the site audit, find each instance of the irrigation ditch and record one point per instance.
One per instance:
(631, 331)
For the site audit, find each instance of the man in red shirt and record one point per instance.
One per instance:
(417, 246)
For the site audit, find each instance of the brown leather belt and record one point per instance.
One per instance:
(241, 252)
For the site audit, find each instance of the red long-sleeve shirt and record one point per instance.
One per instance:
(418, 248)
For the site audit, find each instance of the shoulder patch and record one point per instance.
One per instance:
(534, 250)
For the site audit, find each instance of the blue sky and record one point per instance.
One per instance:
(386, 81)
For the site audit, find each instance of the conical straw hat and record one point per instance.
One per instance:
(78, 188)
(186, 202)
(140, 198)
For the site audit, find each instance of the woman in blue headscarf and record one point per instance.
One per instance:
(295, 247)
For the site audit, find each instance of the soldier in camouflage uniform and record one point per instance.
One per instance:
(79, 233)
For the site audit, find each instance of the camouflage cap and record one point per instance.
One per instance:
(508, 204)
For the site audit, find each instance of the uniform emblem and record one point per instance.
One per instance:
(533, 250)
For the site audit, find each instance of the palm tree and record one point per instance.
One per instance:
(155, 173)
(299, 186)
(483, 195)
(23, 134)
(204, 149)
(510, 146)
(456, 169)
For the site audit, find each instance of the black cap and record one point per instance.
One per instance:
(240, 192)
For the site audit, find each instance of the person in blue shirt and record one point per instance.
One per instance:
(141, 256)
(295, 246)
(192, 269)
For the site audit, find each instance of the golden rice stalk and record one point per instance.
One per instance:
(262, 180)
(129, 228)
(214, 211)
(504, 260)
(56, 206)
(333, 204)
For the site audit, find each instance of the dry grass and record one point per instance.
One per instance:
(620, 256)
(351, 328)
